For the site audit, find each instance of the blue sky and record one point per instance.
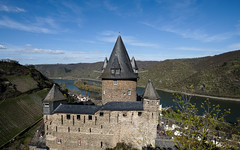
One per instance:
(55, 31)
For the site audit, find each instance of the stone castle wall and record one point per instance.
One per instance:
(101, 130)
(119, 90)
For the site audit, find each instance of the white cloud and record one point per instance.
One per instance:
(28, 45)
(11, 9)
(8, 23)
(46, 51)
(111, 36)
(195, 34)
(3, 47)
(235, 46)
(195, 49)
(109, 6)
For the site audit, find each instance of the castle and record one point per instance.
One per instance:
(122, 117)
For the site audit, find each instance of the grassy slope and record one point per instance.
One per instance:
(22, 89)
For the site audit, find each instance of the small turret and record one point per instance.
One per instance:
(151, 99)
(53, 99)
(104, 64)
(134, 65)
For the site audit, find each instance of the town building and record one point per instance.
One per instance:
(122, 117)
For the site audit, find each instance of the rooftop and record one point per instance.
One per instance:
(119, 65)
(91, 109)
(150, 92)
(54, 95)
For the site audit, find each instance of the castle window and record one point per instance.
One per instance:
(78, 129)
(78, 117)
(73, 120)
(129, 92)
(90, 117)
(101, 144)
(62, 119)
(101, 114)
(46, 117)
(115, 82)
(56, 128)
(46, 105)
(47, 127)
(112, 71)
(59, 141)
(124, 114)
(68, 117)
(68, 129)
(90, 130)
(79, 142)
(84, 119)
(118, 71)
(139, 114)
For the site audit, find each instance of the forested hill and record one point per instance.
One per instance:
(214, 75)
(22, 89)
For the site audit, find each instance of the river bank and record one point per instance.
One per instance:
(165, 90)
(167, 99)
(198, 95)
(203, 96)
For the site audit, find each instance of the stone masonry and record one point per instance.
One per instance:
(119, 90)
(120, 118)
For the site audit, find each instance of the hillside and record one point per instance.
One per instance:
(216, 75)
(22, 89)
(213, 75)
(80, 70)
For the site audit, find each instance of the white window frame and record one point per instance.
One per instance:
(129, 92)
(115, 82)
(46, 105)
(59, 141)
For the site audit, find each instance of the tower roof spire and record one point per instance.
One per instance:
(150, 92)
(54, 95)
(119, 65)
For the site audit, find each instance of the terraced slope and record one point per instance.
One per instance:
(22, 89)
(19, 113)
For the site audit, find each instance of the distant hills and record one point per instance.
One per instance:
(217, 75)
(22, 89)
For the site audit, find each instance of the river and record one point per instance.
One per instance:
(166, 99)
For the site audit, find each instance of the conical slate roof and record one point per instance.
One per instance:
(119, 65)
(134, 65)
(54, 95)
(104, 64)
(150, 92)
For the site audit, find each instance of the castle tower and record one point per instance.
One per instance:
(151, 99)
(119, 80)
(53, 99)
